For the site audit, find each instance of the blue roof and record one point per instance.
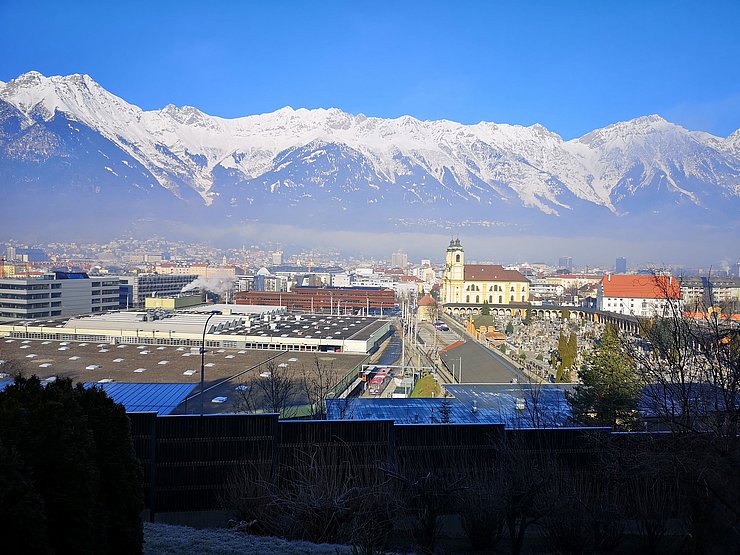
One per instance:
(513, 405)
(4, 384)
(162, 398)
(544, 404)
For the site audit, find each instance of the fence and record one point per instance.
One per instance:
(189, 461)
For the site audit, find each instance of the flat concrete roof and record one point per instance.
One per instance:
(311, 326)
(229, 309)
(262, 324)
(128, 363)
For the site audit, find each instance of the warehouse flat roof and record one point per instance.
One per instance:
(311, 326)
(225, 369)
(242, 309)
(176, 322)
(263, 324)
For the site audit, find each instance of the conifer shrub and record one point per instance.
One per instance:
(76, 480)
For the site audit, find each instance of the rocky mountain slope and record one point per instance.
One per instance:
(68, 144)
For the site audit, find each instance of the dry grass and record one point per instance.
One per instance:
(165, 539)
(426, 387)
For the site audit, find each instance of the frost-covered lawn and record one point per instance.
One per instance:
(165, 539)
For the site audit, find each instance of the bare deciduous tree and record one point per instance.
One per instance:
(690, 370)
(320, 380)
(273, 389)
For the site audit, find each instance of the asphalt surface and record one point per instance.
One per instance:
(479, 364)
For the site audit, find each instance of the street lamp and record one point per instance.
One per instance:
(203, 359)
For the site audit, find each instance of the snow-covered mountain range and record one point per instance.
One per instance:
(67, 143)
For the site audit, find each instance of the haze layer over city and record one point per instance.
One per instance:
(370, 277)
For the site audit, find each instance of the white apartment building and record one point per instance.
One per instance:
(635, 295)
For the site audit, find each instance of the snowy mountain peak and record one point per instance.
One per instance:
(187, 115)
(652, 118)
(626, 131)
(403, 160)
(542, 131)
(28, 78)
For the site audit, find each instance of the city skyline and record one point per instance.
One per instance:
(157, 249)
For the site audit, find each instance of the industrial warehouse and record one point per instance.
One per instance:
(223, 326)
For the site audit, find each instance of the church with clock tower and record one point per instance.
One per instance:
(465, 287)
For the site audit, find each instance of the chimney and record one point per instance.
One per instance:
(608, 277)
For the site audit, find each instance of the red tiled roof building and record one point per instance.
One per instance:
(644, 296)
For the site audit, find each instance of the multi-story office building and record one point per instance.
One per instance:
(57, 294)
(544, 289)
(269, 282)
(135, 289)
(26, 254)
(342, 280)
(199, 269)
(399, 259)
(324, 299)
(700, 293)
(566, 262)
(621, 265)
(372, 280)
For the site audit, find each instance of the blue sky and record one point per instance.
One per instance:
(571, 66)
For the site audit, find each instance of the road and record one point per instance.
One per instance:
(503, 369)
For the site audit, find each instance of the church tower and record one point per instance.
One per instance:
(454, 272)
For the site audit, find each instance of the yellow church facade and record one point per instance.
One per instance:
(465, 287)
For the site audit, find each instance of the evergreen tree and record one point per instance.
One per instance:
(527, 317)
(609, 390)
(445, 410)
(562, 346)
(22, 518)
(47, 430)
(570, 349)
(485, 309)
(120, 495)
(73, 450)
(509, 328)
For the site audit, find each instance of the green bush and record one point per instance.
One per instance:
(77, 480)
